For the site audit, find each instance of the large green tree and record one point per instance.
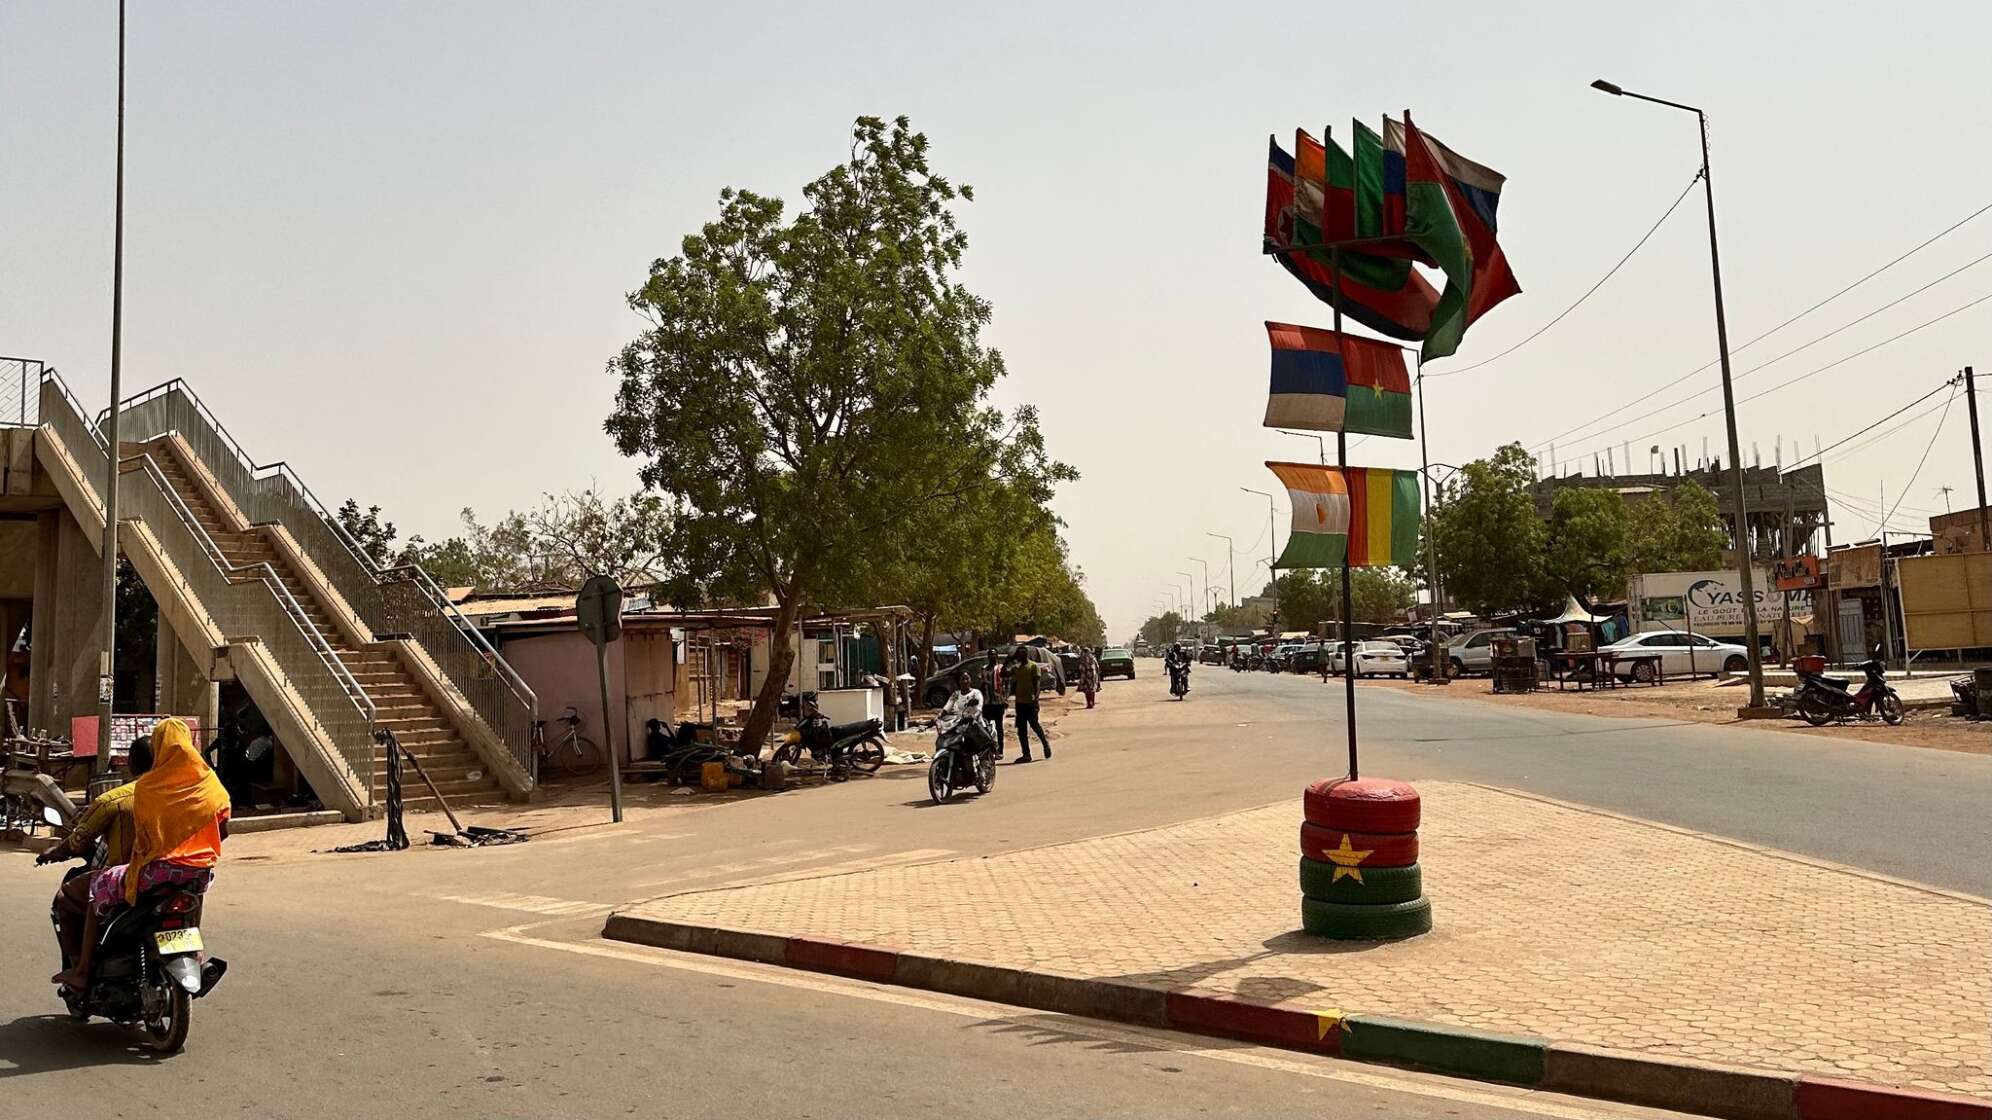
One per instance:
(1490, 539)
(1586, 553)
(808, 385)
(1680, 531)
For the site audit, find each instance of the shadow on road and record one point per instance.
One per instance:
(51, 1043)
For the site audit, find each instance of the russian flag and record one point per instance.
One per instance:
(1404, 312)
(1325, 382)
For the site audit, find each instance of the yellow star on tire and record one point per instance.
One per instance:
(1346, 860)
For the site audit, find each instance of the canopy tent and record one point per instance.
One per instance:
(1574, 612)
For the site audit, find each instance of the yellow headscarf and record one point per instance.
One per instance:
(176, 807)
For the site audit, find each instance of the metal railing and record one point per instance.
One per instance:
(20, 392)
(239, 598)
(394, 601)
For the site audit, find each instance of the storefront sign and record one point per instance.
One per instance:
(1798, 573)
(1854, 566)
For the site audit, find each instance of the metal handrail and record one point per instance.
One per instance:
(421, 578)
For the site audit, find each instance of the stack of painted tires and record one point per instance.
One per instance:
(1359, 878)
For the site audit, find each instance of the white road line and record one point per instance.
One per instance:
(530, 904)
(717, 869)
(611, 833)
(1236, 1053)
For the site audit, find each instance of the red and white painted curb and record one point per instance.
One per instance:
(1710, 1090)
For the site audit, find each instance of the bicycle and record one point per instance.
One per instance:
(573, 754)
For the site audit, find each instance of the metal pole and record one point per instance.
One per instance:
(107, 656)
(1978, 464)
(1230, 564)
(1745, 558)
(1342, 461)
(1431, 545)
(609, 732)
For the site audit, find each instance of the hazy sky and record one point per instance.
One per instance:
(389, 242)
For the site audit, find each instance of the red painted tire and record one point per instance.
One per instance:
(1386, 849)
(1362, 805)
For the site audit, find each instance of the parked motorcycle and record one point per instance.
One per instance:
(1823, 699)
(964, 756)
(150, 962)
(842, 747)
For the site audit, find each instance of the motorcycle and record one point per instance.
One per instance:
(964, 756)
(150, 962)
(1179, 681)
(1823, 699)
(844, 747)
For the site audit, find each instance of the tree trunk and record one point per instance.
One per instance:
(926, 660)
(781, 657)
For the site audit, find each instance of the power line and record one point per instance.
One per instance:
(1927, 448)
(1786, 383)
(1821, 453)
(1589, 291)
(1712, 363)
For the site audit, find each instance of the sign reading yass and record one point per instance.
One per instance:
(1707, 602)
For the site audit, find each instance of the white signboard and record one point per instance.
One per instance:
(1708, 602)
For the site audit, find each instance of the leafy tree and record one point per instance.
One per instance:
(1377, 594)
(1162, 629)
(1681, 531)
(374, 535)
(1587, 555)
(807, 386)
(1237, 619)
(1490, 539)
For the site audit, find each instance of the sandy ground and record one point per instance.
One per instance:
(1713, 702)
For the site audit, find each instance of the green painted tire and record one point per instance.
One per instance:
(1378, 885)
(1346, 922)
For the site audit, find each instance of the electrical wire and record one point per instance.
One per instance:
(1782, 384)
(1589, 292)
(1821, 453)
(1712, 363)
(1927, 448)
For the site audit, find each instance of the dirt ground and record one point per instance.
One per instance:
(1712, 702)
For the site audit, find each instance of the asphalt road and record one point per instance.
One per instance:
(446, 983)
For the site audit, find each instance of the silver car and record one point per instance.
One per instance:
(1474, 653)
(1681, 654)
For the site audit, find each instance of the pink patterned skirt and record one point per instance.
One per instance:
(107, 891)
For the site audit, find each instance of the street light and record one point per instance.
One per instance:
(1272, 545)
(1231, 563)
(1206, 570)
(1319, 442)
(107, 656)
(1739, 508)
(1190, 593)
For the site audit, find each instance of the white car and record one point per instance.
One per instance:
(1681, 654)
(1375, 658)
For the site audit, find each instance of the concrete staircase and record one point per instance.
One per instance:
(402, 704)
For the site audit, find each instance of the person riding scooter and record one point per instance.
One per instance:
(108, 817)
(1177, 661)
(179, 816)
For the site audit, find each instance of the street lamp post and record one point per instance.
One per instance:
(1230, 564)
(1189, 590)
(1272, 545)
(107, 656)
(1321, 444)
(1738, 505)
(1206, 573)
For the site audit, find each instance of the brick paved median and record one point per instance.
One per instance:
(1553, 920)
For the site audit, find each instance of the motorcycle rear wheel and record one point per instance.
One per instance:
(985, 772)
(168, 1035)
(937, 779)
(1815, 711)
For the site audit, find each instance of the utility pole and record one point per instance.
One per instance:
(1978, 464)
(107, 656)
(1230, 564)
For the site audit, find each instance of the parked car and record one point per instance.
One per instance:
(1068, 662)
(1116, 662)
(935, 689)
(1474, 653)
(1682, 654)
(1377, 658)
(1305, 658)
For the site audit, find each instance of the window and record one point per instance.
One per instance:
(1479, 640)
(1703, 641)
(1658, 641)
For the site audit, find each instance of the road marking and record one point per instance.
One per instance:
(610, 834)
(716, 869)
(1236, 1053)
(530, 904)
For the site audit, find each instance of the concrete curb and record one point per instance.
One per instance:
(1531, 1062)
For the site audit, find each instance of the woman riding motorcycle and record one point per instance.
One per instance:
(179, 816)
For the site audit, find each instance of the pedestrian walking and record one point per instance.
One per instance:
(993, 707)
(1089, 673)
(1024, 679)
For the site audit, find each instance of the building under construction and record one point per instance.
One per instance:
(1788, 506)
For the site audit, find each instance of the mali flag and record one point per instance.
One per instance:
(1368, 515)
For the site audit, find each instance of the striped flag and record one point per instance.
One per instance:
(1327, 382)
(1368, 514)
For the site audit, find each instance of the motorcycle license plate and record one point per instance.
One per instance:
(171, 941)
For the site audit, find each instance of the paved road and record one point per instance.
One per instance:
(472, 983)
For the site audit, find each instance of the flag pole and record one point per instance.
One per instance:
(1342, 464)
